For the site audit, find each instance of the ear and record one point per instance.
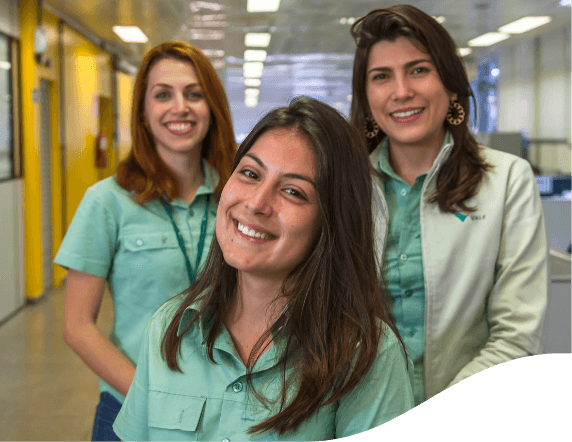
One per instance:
(452, 96)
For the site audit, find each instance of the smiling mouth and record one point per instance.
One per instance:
(180, 128)
(252, 233)
(407, 114)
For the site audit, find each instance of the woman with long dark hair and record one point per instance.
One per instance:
(460, 231)
(286, 334)
(146, 231)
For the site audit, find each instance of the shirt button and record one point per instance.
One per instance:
(403, 192)
(164, 238)
(403, 257)
(408, 293)
(225, 440)
(139, 242)
(237, 387)
(191, 212)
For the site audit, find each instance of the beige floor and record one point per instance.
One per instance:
(46, 391)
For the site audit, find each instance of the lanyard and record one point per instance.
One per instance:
(181, 242)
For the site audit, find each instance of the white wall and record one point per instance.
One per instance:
(10, 18)
(534, 95)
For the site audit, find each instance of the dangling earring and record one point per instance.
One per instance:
(455, 108)
(368, 123)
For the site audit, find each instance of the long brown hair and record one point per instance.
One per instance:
(143, 170)
(335, 302)
(461, 174)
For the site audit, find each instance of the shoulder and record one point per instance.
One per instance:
(503, 162)
(107, 189)
(165, 314)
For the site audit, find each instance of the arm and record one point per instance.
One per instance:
(83, 295)
(517, 302)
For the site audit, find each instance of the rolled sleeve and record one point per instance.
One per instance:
(383, 394)
(89, 243)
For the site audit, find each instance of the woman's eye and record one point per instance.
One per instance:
(162, 95)
(420, 70)
(194, 95)
(249, 174)
(295, 193)
(379, 77)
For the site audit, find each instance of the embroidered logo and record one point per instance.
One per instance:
(462, 216)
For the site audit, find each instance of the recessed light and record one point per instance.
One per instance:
(524, 24)
(252, 69)
(463, 52)
(5, 65)
(251, 92)
(257, 39)
(440, 19)
(488, 39)
(262, 5)
(252, 82)
(250, 101)
(130, 34)
(255, 55)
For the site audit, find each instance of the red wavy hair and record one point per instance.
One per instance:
(143, 171)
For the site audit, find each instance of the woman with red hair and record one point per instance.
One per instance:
(146, 231)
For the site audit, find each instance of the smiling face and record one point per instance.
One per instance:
(268, 215)
(176, 109)
(406, 95)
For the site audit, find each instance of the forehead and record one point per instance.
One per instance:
(172, 71)
(402, 50)
(285, 149)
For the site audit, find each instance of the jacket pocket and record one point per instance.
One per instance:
(175, 415)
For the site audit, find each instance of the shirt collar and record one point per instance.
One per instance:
(209, 186)
(384, 166)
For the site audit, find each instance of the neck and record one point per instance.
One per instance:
(188, 171)
(257, 301)
(410, 161)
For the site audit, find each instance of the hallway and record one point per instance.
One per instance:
(47, 392)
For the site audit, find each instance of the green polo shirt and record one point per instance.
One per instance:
(134, 247)
(212, 402)
(403, 264)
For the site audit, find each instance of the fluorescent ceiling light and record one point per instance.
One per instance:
(250, 101)
(252, 82)
(218, 64)
(257, 39)
(441, 19)
(465, 51)
(213, 52)
(251, 92)
(5, 65)
(252, 69)
(205, 34)
(254, 55)
(130, 34)
(262, 5)
(565, 3)
(524, 24)
(488, 39)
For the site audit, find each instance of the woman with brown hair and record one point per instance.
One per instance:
(460, 231)
(146, 231)
(286, 334)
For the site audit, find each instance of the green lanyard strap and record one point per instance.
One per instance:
(181, 241)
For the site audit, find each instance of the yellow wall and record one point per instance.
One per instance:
(87, 87)
(125, 84)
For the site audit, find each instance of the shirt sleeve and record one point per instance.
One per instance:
(89, 243)
(516, 306)
(132, 421)
(384, 393)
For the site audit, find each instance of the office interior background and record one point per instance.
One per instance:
(66, 78)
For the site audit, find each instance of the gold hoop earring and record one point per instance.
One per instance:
(370, 126)
(455, 114)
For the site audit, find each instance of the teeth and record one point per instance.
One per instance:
(406, 114)
(179, 126)
(252, 233)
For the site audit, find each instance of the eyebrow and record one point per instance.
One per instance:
(295, 176)
(407, 65)
(168, 86)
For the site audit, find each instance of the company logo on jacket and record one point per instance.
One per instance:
(463, 216)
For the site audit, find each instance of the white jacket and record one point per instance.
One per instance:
(486, 278)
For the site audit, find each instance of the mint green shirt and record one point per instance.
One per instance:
(403, 264)
(212, 402)
(135, 249)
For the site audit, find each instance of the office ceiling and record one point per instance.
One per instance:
(310, 51)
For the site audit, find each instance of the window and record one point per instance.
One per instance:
(6, 111)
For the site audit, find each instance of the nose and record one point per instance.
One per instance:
(403, 88)
(180, 105)
(262, 199)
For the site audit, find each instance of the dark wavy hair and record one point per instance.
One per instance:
(461, 174)
(334, 300)
(143, 171)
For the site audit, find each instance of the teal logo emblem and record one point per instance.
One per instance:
(462, 216)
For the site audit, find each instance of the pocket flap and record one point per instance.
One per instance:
(147, 241)
(175, 411)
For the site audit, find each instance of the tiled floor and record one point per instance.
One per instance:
(46, 391)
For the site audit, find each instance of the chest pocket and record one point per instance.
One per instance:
(175, 416)
(139, 242)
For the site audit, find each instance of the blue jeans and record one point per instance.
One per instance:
(107, 410)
